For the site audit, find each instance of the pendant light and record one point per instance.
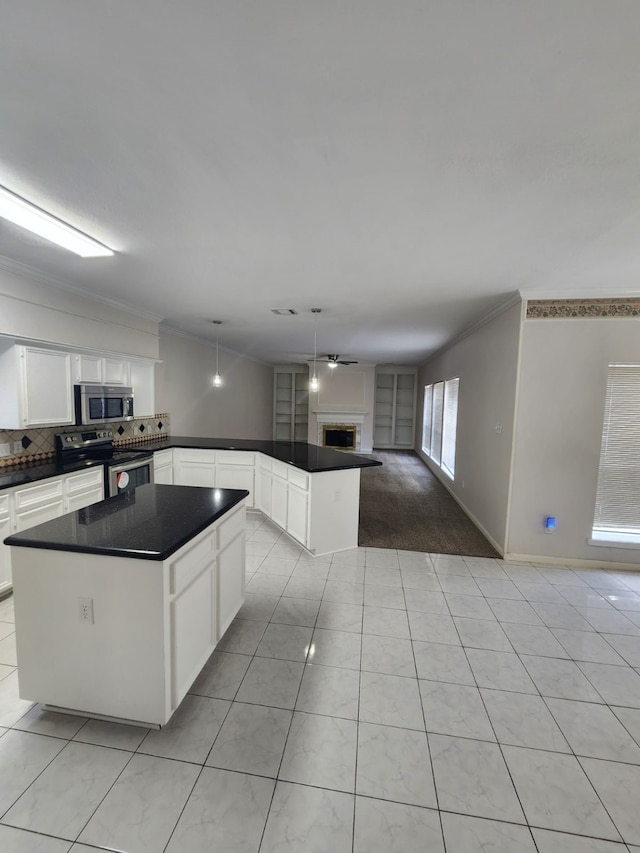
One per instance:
(314, 385)
(217, 379)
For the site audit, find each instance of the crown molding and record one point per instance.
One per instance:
(514, 298)
(39, 275)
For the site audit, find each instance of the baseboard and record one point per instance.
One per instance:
(499, 548)
(571, 562)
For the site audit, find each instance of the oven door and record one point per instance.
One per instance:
(125, 477)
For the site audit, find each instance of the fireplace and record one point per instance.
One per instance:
(339, 436)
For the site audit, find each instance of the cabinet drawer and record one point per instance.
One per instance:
(235, 457)
(189, 565)
(162, 458)
(230, 528)
(184, 454)
(264, 462)
(279, 468)
(85, 480)
(4, 504)
(299, 478)
(34, 495)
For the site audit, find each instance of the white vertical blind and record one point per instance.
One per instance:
(449, 425)
(426, 419)
(436, 422)
(617, 508)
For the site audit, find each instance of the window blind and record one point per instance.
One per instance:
(449, 425)
(426, 419)
(436, 422)
(617, 509)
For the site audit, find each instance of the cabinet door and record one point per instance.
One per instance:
(263, 488)
(298, 514)
(142, 378)
(47, 393)
(193, 633)
(88, 368)
(230, 582)
(5, 555)
(163, 475)
(236, 477)
(116, 372)
(190, 473)
(279, 501)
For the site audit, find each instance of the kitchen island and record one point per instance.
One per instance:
(120, 604)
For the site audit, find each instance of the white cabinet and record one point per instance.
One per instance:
(395, 407)
(291, 403)
(298, 513)
(83, 488)
(156, 623)
(38, 503)
(194, 467)
(163, 467)
(263, 484)
(88, 369)
(36, 386)
(25, 506)
(279, 489)
(116, 371)
(236, 470)
(5, 554)
(142, 380)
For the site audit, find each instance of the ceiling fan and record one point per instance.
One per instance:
(333, 360)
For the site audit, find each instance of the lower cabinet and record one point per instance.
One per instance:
(25, 506)
(163, 467)
(154, 628)
(279, 500)
(298, 513)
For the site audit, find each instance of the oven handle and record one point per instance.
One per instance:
(127, 466)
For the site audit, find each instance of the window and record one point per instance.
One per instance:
(439, 423)
(617, 511)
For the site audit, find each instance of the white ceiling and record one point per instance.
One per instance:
(405, 165)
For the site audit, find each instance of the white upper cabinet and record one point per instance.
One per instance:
(37, 382)
(36, 386)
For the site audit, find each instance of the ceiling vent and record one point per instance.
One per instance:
(283, 311)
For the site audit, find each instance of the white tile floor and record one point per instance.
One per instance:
(377, 701)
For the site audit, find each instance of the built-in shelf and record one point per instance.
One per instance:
(291, 403)
(395, 410)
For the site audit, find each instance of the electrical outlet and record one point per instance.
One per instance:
(5, 450)
(17, 447)
(498, 428)
(85, 610)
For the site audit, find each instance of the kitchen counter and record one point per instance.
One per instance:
(148, 523)
(307, 457)
(120, 605)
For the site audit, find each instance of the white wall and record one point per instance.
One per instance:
(241, 408)
(344, 389)
(558, 430)
(486, 363)
(42, 312)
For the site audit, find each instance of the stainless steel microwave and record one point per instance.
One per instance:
(100, 404)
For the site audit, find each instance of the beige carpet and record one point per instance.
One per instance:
(402, 505)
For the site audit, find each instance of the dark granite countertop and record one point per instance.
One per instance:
(148, 523)
(307, 457)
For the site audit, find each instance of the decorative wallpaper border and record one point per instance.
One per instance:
(581, 309)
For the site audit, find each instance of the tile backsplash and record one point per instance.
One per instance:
(39, 444)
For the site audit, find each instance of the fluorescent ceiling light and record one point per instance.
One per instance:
(28, 216)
